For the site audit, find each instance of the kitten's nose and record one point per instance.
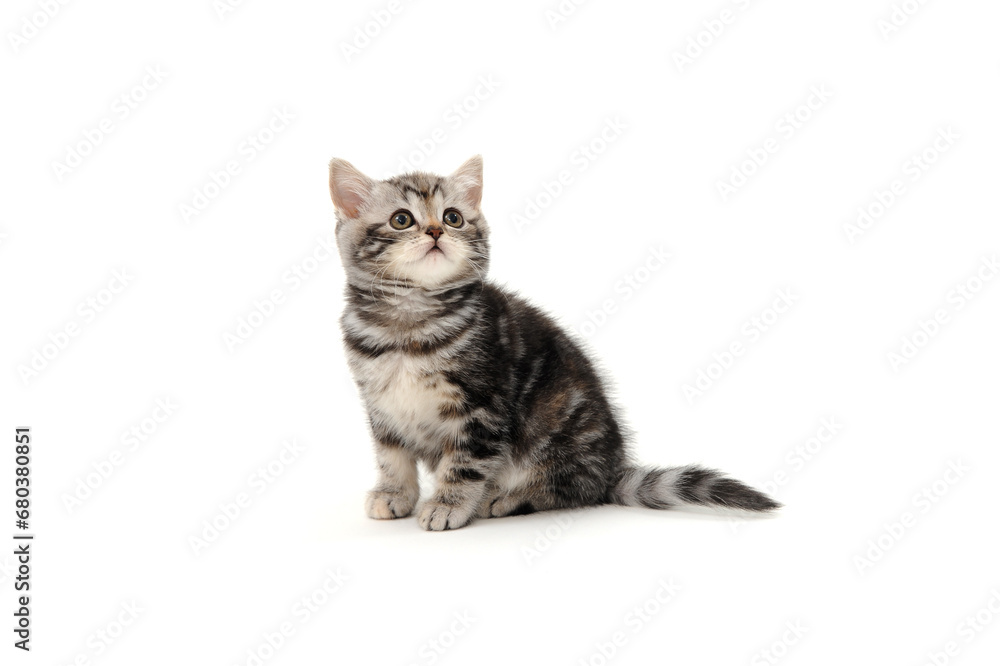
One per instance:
(434, 231)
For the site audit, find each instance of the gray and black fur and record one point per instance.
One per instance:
(500, 403)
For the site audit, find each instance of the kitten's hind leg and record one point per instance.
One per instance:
(517, 491)
(516, 503)
(523, 489)
(462, 478)
(398, 487)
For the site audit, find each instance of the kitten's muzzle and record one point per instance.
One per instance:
(434, 231)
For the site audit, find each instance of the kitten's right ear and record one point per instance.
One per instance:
(469, 179)
(349, 188)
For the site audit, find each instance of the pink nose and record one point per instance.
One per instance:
(434, 231)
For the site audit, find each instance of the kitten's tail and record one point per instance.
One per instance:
(666, 487)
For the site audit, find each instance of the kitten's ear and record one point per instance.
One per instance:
(349, 188)
(468, 178)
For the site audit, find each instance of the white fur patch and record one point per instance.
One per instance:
(406, 393)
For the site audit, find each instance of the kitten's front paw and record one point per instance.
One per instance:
(437, 516)
(385, 505)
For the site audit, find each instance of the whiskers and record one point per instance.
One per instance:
(474, 254)
(395, 264)
(401, 268)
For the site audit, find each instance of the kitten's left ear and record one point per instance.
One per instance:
(349, 188)
(468, 178)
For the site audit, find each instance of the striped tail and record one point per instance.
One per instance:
(667, 487)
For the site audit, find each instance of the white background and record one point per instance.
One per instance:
(547, 588)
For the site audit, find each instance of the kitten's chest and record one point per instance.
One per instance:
(412, 395)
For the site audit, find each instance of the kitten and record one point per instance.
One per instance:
(500, 403)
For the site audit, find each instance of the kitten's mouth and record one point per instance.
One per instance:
(434, 250)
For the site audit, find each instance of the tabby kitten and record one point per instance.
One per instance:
(500, 403)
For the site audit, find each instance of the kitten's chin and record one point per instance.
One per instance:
(435, 269)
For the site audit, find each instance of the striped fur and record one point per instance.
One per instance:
(498, 402)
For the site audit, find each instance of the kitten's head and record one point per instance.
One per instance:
(415, 230)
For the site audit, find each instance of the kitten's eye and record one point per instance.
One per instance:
(401, 219)
(453, 218)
